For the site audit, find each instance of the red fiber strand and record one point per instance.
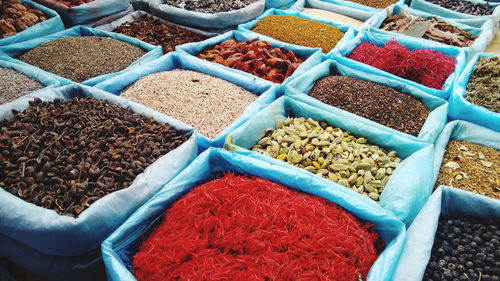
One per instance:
(241, 228)
(426, 67)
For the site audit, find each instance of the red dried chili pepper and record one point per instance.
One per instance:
(426, 67)
(241, 228)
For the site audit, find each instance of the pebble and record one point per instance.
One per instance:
(14, 85)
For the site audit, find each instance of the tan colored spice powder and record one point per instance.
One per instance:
(471, 167)
(300, 31)
(375, 3)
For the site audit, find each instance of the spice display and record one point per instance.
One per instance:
(431, 29)
(300, 31)
(471, 167)
(16, 16)
(483, 87)
(462, 6)
(72, 3)
(426, 67)
(157, 32)
(331, 153)
(256, 57)
(207, 103)
(465, 249)
(210, 7)
(82, 58)
(14, 84)
(333, 17)
(66, 154)
(241, 228)
(378, 103)
(375, 3)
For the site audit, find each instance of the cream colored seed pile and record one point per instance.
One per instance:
(207, 103)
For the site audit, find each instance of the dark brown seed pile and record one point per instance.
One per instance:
(66, 154)
(210, 6)
(82, 58)
(378, 103)
(463, 6)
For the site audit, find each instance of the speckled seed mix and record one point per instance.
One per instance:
(471, 167)
(375, 3)
(378, 103)
(483, 87)
(14, 84)
(210, 6)
(300, 31)
(207, 103)
(82, 58)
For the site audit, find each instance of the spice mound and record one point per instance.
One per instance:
(333, 17)
(483, 87)
(256, 57)
(465, 249)
(14, 85)
(207, 103)
(375, 3)
(330, 153)
(66, 154)
(431, 29)
(210, 7)
(157, 32)
(16, 16)
(462, 6)
(426, 67)
(82, 58)
(471, 167)
(300, 31)
(72, 3)
(378, 103)
(241, 228)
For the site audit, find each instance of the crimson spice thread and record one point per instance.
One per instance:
(427, 67)
(241, 228)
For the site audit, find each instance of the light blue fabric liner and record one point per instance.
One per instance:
(412, 44)
(486, 32)
(460, 108)
(279, 4)
(206, 20)
(119, 248)
(297, 6)
(300, 87)
(110, 18)
(409, 186)
(347, 8)
(348, 31)
(87, 12)
(52, 24)
(266, 93)
(462, 131)
(31, 71)
(446, 201)
(16, 50)
(46, 231)
(440, 11)
(310, 56)
(142, 5)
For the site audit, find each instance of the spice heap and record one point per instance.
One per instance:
(256, 57)
(207, 103)
(430, 29)
(72, 3)
(375, 3)
(471, 167)
(66, 154)
(157, 32)
(82, 58)
(463, 6)
(465, 249)
(236, 227)
(378, 103)
(300, 31)
(483, 87)
(14, 84)
(426, 67)
(16, 17)
(331, 153)
(210, 7)
(333, 17)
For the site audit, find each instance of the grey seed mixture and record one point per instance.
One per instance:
(210, 6)
(82, 58)
(14, 84)
(207, 103)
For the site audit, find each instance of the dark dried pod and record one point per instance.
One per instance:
(47, 201)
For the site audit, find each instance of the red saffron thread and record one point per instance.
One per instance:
(241, 228)
(427, 67)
